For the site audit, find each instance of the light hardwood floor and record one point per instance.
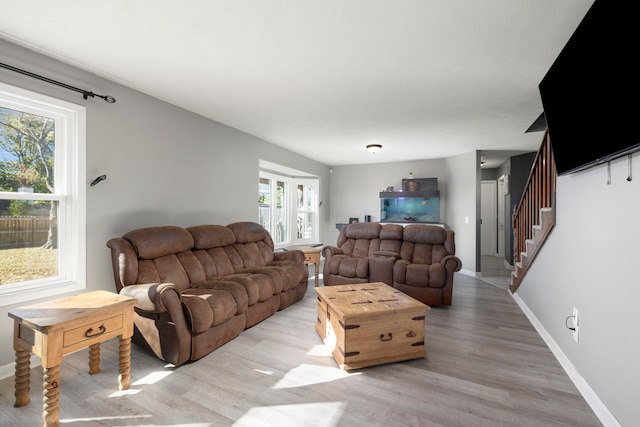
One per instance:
(486, 366)
(495, 271)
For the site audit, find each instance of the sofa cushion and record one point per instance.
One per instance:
(292, 272)
(424, 244)
(277, 276)
(245, 255)
(211, 236)
(247, 232)
(260, 244)
(391, 238)
(154, 242)
(259, 287)
(424, 234)
(164, 269)
(215, 262)
(363, 230)
(391, 232)
(205, 307)
(419, 275)
(360, 239)
(347, 266)
(237, 291)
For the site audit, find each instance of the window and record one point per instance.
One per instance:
(272, 207)
(42, 201)
(288, 208)
(306, 210)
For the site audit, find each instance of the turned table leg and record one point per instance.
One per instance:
(23, 367)
(94, 358)
(51, 396)
(125, 363)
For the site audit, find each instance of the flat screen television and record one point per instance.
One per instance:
(590, 91)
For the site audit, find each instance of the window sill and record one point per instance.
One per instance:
(26, 292)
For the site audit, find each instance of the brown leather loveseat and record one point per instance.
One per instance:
(199, 287)
(417, 259)
(364, 253)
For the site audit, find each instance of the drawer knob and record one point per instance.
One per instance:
(90, 333)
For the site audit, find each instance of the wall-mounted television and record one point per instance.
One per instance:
(590, 91)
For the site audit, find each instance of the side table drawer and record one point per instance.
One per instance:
(92, 330)
(312, 258)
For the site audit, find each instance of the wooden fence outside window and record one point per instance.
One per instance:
(23, 231)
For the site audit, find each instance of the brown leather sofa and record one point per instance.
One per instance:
(199, 287)
(417, 259)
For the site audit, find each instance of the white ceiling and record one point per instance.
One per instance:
(424, 78)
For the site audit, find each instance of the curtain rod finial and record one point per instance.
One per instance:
(110, 99)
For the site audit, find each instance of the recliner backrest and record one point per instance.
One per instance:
(210, 243)
(426, 244)
(359, 240)
(253, 247)
(391, 238)
(164, 255)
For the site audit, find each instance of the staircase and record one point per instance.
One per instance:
(535, 215)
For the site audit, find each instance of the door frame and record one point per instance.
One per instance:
(503, 190)
(490, 235)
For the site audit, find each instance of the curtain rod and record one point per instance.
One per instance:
(85, 93)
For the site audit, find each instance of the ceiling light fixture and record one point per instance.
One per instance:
(374, 148)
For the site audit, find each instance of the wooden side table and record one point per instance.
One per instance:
(311, 256)
(55, 328)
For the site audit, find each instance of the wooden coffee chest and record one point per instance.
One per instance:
(370, 324)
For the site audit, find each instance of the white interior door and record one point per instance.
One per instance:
(501, 215)
(488, 213)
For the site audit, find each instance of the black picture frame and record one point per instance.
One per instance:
(352, 220)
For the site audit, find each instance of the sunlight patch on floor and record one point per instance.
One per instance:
(305, 375)
(153, 378)
(118, 417)
(325, 414)
(121, 393)
(319, 350)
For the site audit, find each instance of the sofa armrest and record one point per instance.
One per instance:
(452, 260)
(153, 297)
(389, 254)
(329, 251)
(160, 323)
(293, 255)
(381, 267)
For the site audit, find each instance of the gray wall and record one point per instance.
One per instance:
(590, 261)
(164, 165)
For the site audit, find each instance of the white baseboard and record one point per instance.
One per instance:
(470, 273)
(602, 412)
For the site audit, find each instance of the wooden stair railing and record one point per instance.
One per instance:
(535, 215)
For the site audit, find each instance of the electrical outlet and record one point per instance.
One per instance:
(576, 324)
